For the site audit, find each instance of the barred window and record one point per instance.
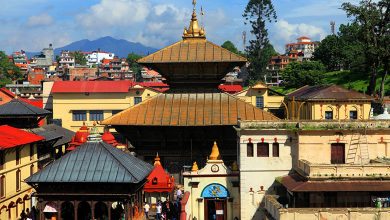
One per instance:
(249, 149)
(96, 115)
(137, 100)
(263, 150)
(275, 149)
(260, 102)
(79, 115)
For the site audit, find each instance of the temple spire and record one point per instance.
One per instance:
(215, 152)
(194, 30)
(157, 160)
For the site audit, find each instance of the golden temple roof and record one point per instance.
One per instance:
(193, 109)
(193, 48)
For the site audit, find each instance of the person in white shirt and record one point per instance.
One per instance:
(146, 210)
(158, 210)
(179, 194)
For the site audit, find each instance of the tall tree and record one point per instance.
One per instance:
(329, 53)
(135, 67)
(8, 71)
(79, 58)
(373, 18)
(228, 45)
(258, 13)
(298, 74)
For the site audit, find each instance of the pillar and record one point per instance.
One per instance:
(108, 204)
(127, 216)
(75, 206)
(59, 213)
(92, 204)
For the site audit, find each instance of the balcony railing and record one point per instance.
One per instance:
(276, 210)
(326, 171)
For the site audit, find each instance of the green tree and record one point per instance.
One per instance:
(298, 74)
(231, 47)
(329, 53)
(79, 58)
(8, 71)
(258, 13)
(373, 20)
(135, 67)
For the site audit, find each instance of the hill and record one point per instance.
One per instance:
(119, 47)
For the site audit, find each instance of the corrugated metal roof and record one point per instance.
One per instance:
(17, 107)
(94, 162)
(11, 137)
(193, 109)
(296, 183)
(52, 132)
(327, 92)
(191, 51)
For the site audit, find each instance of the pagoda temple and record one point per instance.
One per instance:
(159, 185)
(183, 122)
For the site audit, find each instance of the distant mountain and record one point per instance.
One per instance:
(120, 48)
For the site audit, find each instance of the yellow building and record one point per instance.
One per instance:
(263, 97)
(327, 102)
(75, 102)
(214, 189)
(313, 169)
(18, 160)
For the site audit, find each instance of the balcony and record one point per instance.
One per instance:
(277, 211)
(374, 170)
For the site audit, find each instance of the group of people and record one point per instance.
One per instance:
(28, 215)
(166, 210)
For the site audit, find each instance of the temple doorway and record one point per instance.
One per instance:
(84, 211)
(215, 209)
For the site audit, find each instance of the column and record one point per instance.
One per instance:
(59, 213)
(41, 207)
(127, 216)
(92, 204)
(75, 206)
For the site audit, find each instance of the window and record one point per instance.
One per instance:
(328, 115)
(275, 149)
(79, 115)
(337, 153)
(96, 115)
(31, 151)
(137, 100)
(2, 186)
(249, 149)
(259, 101)
(114, 112)
(31, 169)
(17, 156)
(18, 180)
(353, 114)
(2, 159)
(262, 150)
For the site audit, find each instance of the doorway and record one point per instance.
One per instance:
(337, 154)
(215, 209)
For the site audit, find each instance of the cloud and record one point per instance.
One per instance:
(39, 20)
(284, 32)
(117, 13)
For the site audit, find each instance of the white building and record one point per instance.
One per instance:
(66, 59)
(304, 47)
(95, 57)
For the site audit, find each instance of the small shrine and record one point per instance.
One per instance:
(160, 184)
(79, 138)
(214, 189)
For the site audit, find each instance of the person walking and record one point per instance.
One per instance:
(146, 210)
(158, 210)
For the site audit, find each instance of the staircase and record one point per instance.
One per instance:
(358, 149)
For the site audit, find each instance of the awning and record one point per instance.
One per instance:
(296, 183)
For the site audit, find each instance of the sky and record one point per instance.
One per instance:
(31, 25)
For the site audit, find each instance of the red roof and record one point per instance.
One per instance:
(159, 180)
(35, 102)
(230, 88)
(303, 37)
(92, 86)
(153, 84)
(7, 92)
(11, 137)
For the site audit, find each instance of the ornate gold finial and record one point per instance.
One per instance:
(194, 167)
(234, 166)
(194, 30)
(157, 160)
(214, 152)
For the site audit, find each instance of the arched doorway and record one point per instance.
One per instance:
(67, 211)
(215, 202)
(84, 211)
(101, 211)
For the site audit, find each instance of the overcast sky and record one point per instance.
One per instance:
(33, 24)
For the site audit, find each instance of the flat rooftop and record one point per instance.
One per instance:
(314, 125)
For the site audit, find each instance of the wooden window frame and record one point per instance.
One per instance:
(79, 115)
(96, 115)
(263, 149)
(2, 186)
(250, 148)
(275, 149)
(18, 180)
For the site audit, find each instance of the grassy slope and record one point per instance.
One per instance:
(358, 82)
